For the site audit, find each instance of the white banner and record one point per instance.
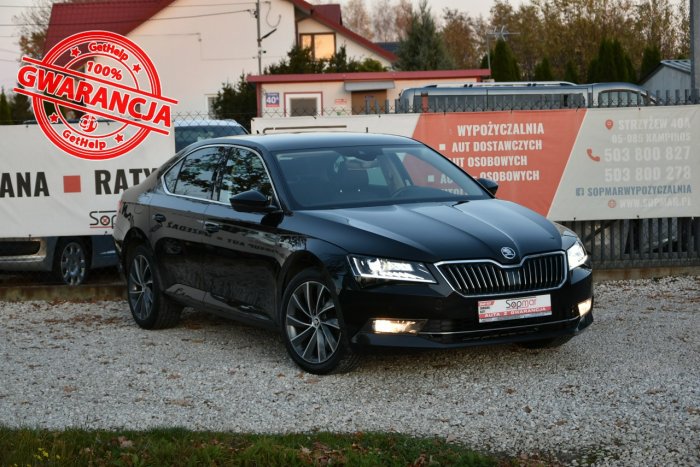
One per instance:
(45, 192)
(575, 164)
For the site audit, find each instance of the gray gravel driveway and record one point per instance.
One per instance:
(626, 392)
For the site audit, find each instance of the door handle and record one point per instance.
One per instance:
(160, 218)
(212, 227)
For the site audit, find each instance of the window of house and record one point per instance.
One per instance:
(322, 45)
(210, 105)
(303, 104)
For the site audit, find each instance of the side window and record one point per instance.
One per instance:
(197, 173)
(244, 171)
(170, 177)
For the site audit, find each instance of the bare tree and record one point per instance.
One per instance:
(33, 22)
(383, 21)
(459, 37)
(356, 18)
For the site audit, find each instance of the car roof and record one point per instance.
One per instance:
(296, 141)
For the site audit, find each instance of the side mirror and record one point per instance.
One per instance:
(252, 201)
(489, 185)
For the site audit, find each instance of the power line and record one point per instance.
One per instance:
(121, 2)
(83, 23)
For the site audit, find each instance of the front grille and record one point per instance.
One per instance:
(490, 278)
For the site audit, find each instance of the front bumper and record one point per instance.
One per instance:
(451, 320)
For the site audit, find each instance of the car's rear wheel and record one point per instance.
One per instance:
(312, 325)
(546, 343)
(70, 261)
(150, 308)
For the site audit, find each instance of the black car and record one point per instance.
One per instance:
(343, 241)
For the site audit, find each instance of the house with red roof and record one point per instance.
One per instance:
(198, 46)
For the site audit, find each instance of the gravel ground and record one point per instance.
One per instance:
(626, 392)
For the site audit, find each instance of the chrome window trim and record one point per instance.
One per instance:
(211, 201)
(506, 266)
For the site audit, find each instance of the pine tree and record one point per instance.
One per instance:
(5, 111)
(570, 73)
(504, 67)
(611, 64)
(650, 60)
(238, 102)
(21, 108)
(423, 47)
(543, 71)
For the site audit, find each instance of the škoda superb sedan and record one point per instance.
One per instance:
(345, 241)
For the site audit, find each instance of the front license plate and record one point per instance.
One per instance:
(514, 308)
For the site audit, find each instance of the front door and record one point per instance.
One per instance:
(243, 256)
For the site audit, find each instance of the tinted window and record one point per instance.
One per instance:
(196, 174)
(373, 175)
(244, 171)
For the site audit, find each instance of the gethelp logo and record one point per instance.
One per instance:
(96, 95)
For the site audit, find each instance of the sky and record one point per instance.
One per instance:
(9, 51)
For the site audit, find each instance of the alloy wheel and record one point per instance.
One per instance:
(141, 287)
(312, 324)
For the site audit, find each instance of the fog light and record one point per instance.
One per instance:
(391, 326)
(584, 307)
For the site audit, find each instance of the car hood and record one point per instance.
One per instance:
(433, 232)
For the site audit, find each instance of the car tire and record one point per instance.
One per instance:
(312, 325)
(150, 308)
(71, 261)
(550, 343)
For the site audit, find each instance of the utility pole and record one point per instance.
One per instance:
(694, 48)
(257, 18)
(260, 38)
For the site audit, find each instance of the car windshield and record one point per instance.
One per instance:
(373, 175)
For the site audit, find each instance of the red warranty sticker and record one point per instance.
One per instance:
(96, 95)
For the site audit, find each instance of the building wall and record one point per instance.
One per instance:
(195, 56)
(335, 100)
(668, 79)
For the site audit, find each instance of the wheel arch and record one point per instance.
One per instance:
(134, 237)
(326, 257)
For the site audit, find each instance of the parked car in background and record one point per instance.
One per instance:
(69, 259)
(191, 130)
(342, 241)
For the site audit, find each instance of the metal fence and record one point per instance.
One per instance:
(641, 243)
(495, 102)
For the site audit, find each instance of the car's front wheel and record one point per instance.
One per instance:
(312, 325)
(150, 308)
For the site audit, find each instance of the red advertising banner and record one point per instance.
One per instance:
(580, 164)
(525, 152)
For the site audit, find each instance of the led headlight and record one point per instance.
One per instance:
(576, 255)
(364, 267)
